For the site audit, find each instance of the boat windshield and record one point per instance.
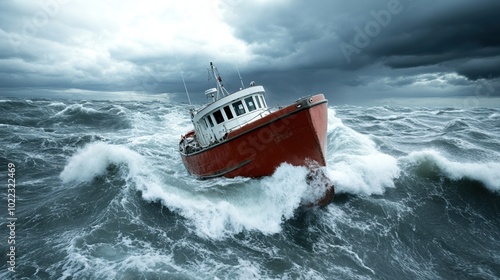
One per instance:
(250, 104)
(229, 114)
(238, 108)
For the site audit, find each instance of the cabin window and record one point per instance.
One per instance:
(210, 121)
(238, 108)
(250, 104)
(205, 123)
(263, 101)
(218, 116)
(228, 112)
(257, 101)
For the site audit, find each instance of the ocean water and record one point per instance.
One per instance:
(101, 193)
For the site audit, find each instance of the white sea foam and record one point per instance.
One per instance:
(355, 164)
(486, 172)
(353, 255)
(56, 104)
(75, 107)
(261, 206)
(248, 269)
(257, 205)
(164, 128)
(494, 116)
(106, 261)
(93, 159)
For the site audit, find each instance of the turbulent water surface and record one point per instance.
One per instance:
(101, 193)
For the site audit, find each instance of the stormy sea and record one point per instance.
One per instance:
(97, 190)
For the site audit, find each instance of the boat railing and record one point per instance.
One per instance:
(251, 120)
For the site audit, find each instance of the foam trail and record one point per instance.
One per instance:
(355, 164)
(486, 173)
(353, 256)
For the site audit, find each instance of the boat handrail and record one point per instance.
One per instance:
(249, 121)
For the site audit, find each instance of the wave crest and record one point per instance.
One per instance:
(94, 159)
(355, 164)
(486, 173)
(246, 205)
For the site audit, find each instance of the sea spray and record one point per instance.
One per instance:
(261, 206)
(93, 160)
(485, 172)
(354, 162)
(140, 215)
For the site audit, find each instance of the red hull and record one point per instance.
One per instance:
(295, 134)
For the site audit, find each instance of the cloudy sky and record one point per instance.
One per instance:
(362, 51)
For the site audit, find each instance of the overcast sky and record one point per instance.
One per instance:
(353, 51)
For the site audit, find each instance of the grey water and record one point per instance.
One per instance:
(101, 193)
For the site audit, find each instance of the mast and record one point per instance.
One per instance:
(221, 91)
(241, 79)
(185, 87)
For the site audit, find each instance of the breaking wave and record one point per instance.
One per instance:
(108, 117)
(107, 197)
(486, 172)
(246, 205)
(355, 164)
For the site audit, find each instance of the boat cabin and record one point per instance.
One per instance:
(227, 112)
(213, 122)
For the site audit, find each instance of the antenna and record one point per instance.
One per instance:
(218, 79)
(241, 79)
(185, 87)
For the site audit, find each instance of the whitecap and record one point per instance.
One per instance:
(355, 164)
(71, 109)
(93, 159)
(494, 116)
(259, 204)
(484, 172)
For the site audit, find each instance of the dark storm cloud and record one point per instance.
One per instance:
(453, 35)
(341, 38)
(354, 50)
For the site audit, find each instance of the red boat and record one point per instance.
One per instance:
(238, 135)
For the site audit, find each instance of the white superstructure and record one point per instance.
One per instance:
(227, 111)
